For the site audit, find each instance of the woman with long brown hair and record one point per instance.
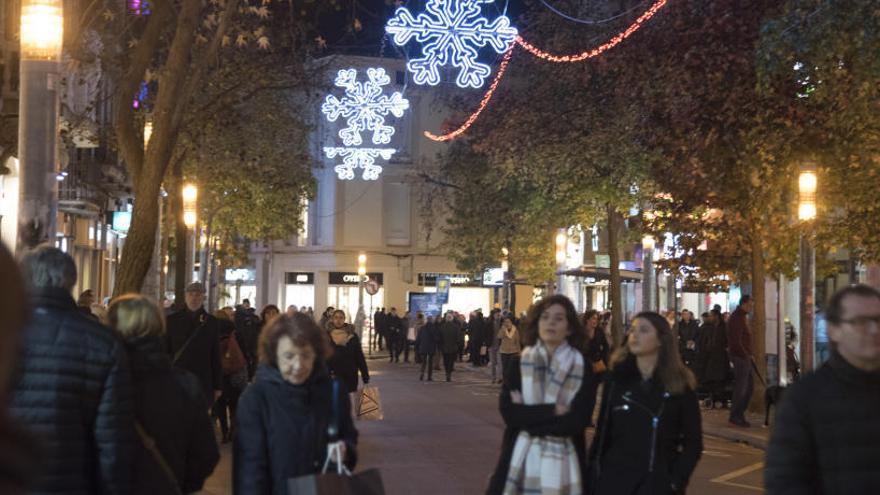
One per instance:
(649, 438)
(545, 403)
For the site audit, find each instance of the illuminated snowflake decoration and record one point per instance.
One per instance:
(451, 32)
(353, 158)
(364, 106)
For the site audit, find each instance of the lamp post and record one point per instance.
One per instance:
(807, 186)
(561, 252)
(505, 284)
(190, 194)
(42, 30)
(361, 316)
(648, 273)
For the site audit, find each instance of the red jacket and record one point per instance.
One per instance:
(739, 336)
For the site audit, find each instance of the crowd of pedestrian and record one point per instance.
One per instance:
(124, 400)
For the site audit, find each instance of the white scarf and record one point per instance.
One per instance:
(547, 465)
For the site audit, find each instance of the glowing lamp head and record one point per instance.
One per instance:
(42, 29)
(648, 243)
(189, 219)
(190, 193)
(808, 182)
(561, 241)
(148, 133)
(807, 211)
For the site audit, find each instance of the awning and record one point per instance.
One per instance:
(591, 271)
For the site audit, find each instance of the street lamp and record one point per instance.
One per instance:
(148, 133)
(561, 252)
(361, 316)
(808, 184)
(190, 193)
(42, 30)
(505, 284)
(648, 244)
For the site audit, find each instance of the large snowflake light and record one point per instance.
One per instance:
(353, 158)
(451, 32)
(364, 106)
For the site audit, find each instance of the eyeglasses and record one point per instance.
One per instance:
(862, 322)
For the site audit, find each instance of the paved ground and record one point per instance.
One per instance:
(441, 438)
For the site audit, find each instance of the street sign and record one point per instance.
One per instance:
(603, 261)
(372, 287)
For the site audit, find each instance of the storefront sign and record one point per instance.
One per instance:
(121, 221)
(240, 274)
(351, 278)
(493, 277)
(455, 279)
(299, 278)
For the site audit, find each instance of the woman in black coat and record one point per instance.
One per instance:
(290, 417)
(649, 438)
(348, 356)
(713, 363)
(544, 420)
(168, 404)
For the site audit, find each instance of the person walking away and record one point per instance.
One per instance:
(688, 333)
(235, 373)
(739, 340)
(168, 403)
(347, 358)
(395, 335)
(381, 328)
(595, 352)
(509, 348)
(476, 328)
(544, 403)
(494, 343)
(411, 325)
(823, 348)
(449, 335)
(248, 325)
(712, 363)
(649, 436)
(72, 387)
(284, 416)
(426, 345)
(826, 438)
(19, 453)
(193, 342)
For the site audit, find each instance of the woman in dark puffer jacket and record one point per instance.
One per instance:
(169, 404)
(286, 421)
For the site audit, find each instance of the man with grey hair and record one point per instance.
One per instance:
(73, 388)
(193, 342)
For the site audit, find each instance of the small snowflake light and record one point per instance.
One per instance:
(364, 106)
(353, 158)
(451, 32)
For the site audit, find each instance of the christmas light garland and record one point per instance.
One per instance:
(578, 57)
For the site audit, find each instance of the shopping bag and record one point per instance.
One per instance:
(367, 482)
(369, 407)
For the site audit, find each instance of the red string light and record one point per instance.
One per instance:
(579, 57)
(485, 101)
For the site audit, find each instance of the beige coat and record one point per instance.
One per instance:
(509, 341)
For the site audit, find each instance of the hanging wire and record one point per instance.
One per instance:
(591, 22)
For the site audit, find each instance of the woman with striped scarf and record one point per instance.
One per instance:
(545, 403)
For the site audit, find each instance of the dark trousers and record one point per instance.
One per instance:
(380, 339)
(742, 387)
(427, 360)
(505, 362)
(449, 364)
(407, 344)
(226, 403)
(395, 347)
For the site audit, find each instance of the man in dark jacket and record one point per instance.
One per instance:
(394, 335)
(379, 329)
(193, 342)
(449, 334)
(247, 325)
(826, 438)
(739, 338)
(688, 333)
(74, 387)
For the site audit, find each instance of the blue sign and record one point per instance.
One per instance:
(443, 284)
(425, 302)
(121, 221)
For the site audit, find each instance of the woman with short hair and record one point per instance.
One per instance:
(168, 403)
(648, 439)
(545, 404)
(292, 414)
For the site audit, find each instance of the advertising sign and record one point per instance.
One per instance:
(427, 303)
(443, 284)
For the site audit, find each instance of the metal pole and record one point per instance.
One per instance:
(37, 152)
(807, 302)
(647, 279)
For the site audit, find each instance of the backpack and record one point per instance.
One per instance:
(231, 356)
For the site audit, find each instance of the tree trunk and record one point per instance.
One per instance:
(141, 241)
(615, 282)
(759, 322)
